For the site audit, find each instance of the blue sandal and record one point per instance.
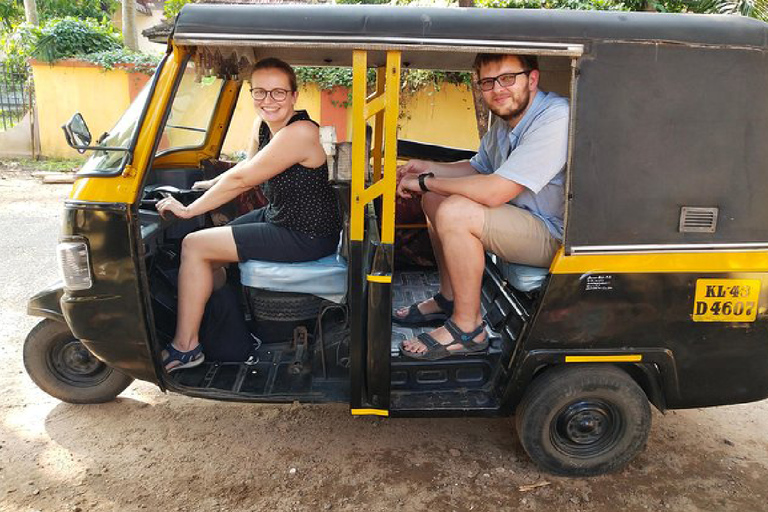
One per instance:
(188, 359)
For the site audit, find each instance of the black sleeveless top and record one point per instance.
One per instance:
(301, 198)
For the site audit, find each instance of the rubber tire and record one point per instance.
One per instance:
(552, 395)
(283, 306)
(102, 386)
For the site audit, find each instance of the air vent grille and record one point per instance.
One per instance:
(694, 219)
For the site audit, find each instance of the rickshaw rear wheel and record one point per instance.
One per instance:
(583, 420)
(63, 367)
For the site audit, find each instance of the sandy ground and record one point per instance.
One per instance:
(154, 451)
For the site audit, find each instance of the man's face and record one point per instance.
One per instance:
(509, 103)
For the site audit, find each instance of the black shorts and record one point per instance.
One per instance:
(257, 239)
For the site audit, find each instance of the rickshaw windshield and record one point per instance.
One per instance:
(121, 135)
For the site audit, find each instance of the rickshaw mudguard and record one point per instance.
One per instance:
(110, 318)
(46, 303)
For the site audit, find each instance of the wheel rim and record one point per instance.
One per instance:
(587, 428)
(72, 363)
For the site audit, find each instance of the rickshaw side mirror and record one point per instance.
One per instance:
(77, 133)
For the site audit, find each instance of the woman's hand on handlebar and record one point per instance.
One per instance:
(170, 206)
(203, 185)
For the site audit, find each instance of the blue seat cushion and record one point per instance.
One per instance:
(523, 277)
(326, 277)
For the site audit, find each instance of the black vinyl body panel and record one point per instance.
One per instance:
(110, 317)
(374, 23)
(701, 363)
(658, 127)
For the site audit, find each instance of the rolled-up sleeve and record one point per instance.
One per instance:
(482, 161)
(542, 151)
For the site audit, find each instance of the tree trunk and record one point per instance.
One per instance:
(30, 11)
(481, 110)
(129, 25)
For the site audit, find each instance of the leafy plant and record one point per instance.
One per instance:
(172, 7)
(142, 62)
(11, 12)
(93, 9)
(69, 37)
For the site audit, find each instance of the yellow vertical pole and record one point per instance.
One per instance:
(378, 127)
(390, 146)
(357, 207)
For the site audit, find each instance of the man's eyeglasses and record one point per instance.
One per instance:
(505, 80)
(277, 94)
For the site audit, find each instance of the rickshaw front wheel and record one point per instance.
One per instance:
(63, 367)
(583, 420)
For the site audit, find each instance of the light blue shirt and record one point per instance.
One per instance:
(533, 154)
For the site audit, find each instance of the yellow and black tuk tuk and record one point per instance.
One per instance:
(656, 296)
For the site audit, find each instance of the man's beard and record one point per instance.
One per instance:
(512, 114)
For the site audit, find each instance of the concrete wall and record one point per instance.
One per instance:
(17, 141)
(444, 116)
(72, 86)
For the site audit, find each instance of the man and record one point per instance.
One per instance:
(508, 199)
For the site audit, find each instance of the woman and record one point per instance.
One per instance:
(301, 223)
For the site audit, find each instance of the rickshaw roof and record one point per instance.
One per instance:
(321, 34)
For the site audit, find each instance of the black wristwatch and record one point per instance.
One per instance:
(423, 180)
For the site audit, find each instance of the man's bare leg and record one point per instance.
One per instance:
(430, 203)
(459, 226)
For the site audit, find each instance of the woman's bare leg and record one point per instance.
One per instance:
(203, 253)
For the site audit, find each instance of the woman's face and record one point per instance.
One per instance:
(266, 84)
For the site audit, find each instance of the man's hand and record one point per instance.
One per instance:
(412, 167)
(409, 186)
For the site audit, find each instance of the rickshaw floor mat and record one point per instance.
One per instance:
(412, 287)
(275, 375)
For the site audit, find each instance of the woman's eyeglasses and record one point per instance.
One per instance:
(259, 94)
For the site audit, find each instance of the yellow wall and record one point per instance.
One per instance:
(445, 117)
(61, 90)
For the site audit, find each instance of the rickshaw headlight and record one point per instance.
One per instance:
(74, 267)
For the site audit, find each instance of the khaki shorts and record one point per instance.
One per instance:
(517, 236)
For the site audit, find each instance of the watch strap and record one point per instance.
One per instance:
(423, 180)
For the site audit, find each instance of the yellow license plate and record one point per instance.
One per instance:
(726, 300)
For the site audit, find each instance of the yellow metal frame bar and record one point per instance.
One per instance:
(383, 105)
(124, 189)
(693, 262)
(629, 358)
(369, 412)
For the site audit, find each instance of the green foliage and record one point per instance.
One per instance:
(582, 5)
(142, 62)
(172, 7)
(69, 37)
(17, 47)
(11, 12)
(93, 9)
(412, 80)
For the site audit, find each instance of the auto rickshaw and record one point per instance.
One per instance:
(656, 296)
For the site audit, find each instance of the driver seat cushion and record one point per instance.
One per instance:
(326, 277)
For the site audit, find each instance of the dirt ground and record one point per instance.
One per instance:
(154, 451)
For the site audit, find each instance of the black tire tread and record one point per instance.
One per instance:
(541, 399)
(283, 306)
(38, 341)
